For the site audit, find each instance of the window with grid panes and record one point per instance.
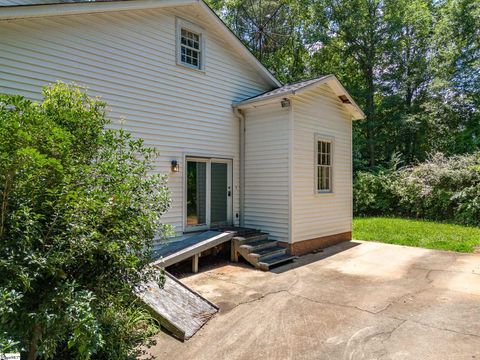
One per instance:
(324, 166)
(190, 49)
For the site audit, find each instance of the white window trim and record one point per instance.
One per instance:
(331, 140)
(187, 25)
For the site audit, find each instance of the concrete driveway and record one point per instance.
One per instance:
(356, 300)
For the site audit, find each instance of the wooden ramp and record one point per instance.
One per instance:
(191, 247)
(179, 309)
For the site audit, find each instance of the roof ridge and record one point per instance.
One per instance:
(286, 88)
(306, 80)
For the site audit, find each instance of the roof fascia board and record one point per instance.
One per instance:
(238, 44)
(251, 103)
(27, 11)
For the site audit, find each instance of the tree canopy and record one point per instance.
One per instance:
(412, 65)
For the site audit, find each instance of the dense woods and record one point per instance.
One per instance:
(412, 65)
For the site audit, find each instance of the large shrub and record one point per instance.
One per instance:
(438, 189)
(80, 206)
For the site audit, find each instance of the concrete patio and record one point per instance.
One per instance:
(356, 300)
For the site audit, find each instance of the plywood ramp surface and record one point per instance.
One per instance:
(179, 309)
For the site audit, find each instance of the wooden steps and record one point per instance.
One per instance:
(255, 247)
(266, 264)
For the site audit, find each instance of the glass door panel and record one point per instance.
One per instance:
(208, 193)
(196, 194)
(219, 193)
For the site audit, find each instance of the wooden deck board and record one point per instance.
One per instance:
(177, 251)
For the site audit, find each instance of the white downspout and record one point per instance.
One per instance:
(238, 113)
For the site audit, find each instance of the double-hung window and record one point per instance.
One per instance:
(189, 45)
(323, 165)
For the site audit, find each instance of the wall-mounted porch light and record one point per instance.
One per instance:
(174, 166)
(285, 103)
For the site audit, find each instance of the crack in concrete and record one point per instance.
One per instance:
(435, 327)
(410, 294)
(262, 296)
(395, 328)
(449, 271)
(325, 302)
(402, 320)
(288, 290)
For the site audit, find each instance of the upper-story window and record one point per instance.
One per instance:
(190, 48)
(189, 45)
(323, 165)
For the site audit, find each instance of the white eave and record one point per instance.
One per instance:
(28, 11)
(330, 80)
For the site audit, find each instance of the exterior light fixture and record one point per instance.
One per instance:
(175, 167)
(285, 103)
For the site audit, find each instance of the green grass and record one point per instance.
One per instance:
(419, 233)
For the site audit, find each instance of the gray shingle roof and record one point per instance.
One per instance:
(284, 90)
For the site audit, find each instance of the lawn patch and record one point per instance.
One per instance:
(419, 233)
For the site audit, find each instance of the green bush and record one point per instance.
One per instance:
(445, 189)
(80, 206)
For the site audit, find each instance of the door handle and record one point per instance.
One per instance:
(229, 193)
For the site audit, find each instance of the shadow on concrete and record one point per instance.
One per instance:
(316, 256)
(183, 270)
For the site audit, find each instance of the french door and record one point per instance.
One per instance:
(208, 193)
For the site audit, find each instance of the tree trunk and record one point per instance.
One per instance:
(33, 346)
(370, 112)
(3, 214)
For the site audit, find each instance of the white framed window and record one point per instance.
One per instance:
(323, 164)
(190, 41)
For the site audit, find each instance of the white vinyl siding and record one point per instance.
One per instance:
(267, 171)
(129, 59)
(319, 115)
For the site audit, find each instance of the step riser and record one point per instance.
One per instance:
(265, 266)
(273, 254)
(245, 241)
(268, 252)
(259, 247)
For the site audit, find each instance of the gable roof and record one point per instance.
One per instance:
(299, 87)
(14, 9)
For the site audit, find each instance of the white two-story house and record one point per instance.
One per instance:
(240, 148)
